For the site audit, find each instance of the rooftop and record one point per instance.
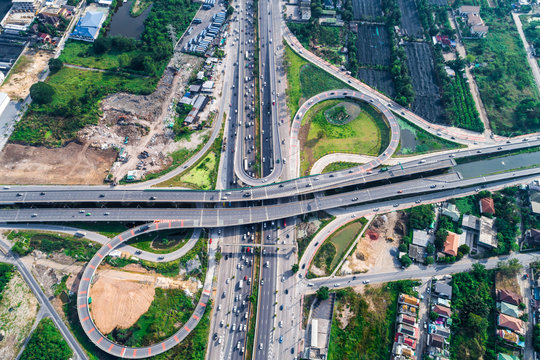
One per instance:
(451, 244)
(487, 206)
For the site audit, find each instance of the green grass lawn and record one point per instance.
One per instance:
(306, 80)
(342, 165)
(162, 242)
(369, 332)
(81, 53)
(331, 252)
(203, 175)
(366, 134)
(504, 77)
(468, 205)
(74, 105)
(424, 141)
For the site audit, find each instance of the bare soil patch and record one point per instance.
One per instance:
(510, 283)
(375, 250)
(72, 164)
(25, 74)
(18, 310)
(134, 289)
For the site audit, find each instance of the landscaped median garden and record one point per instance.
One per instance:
(335, 126)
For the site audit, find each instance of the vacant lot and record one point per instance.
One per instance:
(332, 250)
(81, 53)
(373, 45)
(410, 21)
(503, 75)
(366, 134)
(367, 9)
(72, 164)
(363, 324)
(427, 101)
(414, 140)
(162, 242)
(306, 80)
(25, 72)
(378, 79)
(18, 309)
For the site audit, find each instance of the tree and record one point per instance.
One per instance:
(230, 10)
(440, 238)
(421, 216)
(123, 60)
(433, 316)
(509, 268)
(46, 343)
(430, 249)
(295, 268)
(430, 260)
(402, 247)
(536, 338)
(405, 260)
(464, 249)
(219, 255)
(55, 65)
(101, 45)
(322, 293)
(42, 93)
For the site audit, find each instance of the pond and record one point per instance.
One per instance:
(490, 166)
(122, 23)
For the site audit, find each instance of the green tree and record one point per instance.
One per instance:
(536, 338)
(421, 216)
(430, 249)
(42, 93)
(55, 65)
(405, 260)
(323, 293)
(123, 60)
(430, 260)
(464, 249)
(46, 343)
(433, 316)
(402, 247)
(510, 268)
(295, 268)
(230, 10)
(101, 45)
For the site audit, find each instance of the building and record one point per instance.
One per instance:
(479, 30)
(471, 222)
(4, 102)
(511, 323)
(439, 330)
(533, 236)
(406, 319)
(88, 27)
(451, 210)
(436, 341)
(534, 197)
(508, 309)
(487, 206)
(468, 9)
(417, 253)
(508, 297)
(410, 331)
(409, 300)
(25, 5)
(422, 238)
(193, 89)
(502, 356)
(442, 311)
(451, 244)
(511, 337)
(443, 290)
(305, 10)
(207, 87)
(199, 103)
(487, 235)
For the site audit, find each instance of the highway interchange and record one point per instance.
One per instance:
(262, 211)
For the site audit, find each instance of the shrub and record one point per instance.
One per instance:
(42, 93)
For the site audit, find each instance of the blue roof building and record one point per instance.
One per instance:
(88, 27)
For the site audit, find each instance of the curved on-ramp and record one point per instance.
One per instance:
(388, 117)
(83, 295)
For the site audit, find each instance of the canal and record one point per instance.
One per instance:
(123, 24)
(497, 165)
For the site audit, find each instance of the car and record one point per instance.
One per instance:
(292, 350)
(215, 336)
(280, 324)
(433, 186)
(138, 252)
(303, 266)
(281, 339)
(260, 346)
(499, 148)
(280, 307)
(262, 281)
(107, 213)
(396, 205)
(354, 199)
(42, 193)
(161, 257)
(100, 195)
(34, 215)
(152, 198)
(376, 209)
(221, 323)
(400, 191)
(365, 282)
(19, 194)
(336, 284)
(88, 214)
(286, 291)
(223, 294)
(219, 307)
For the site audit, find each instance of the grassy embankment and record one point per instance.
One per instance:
(366, 134)
(335, 246)
(503, 76)
(342, 165)
(369, 331)
(162, 242)
(306, 80)
(304, 241)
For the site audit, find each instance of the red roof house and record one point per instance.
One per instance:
(451, 244)
(442, 311)
(487, 206)
(510, 323)
(508, 297)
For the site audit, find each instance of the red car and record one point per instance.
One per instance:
(284, 222)
(245, 278)
(210, 241)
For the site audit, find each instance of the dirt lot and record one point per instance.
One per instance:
(72, 164)
(510, 283)
(377, 248)
(18, 309)
(142, 119)
(31, 63)
(134, 289)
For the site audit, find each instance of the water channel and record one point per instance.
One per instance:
(122, 23)
(497, 165)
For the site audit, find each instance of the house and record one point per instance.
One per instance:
(442, 311)
(487, 235)
(534, 197)
(207, 86)
(508, 322)
(403, 352)
(508, 309)
(467, 9)
(443, 302)
(25, 5)
(88, 27)
(422, 238)
(487, 206)
(410, 300)
(451, 210)
(407, 330)
(511, 337)
(479, 30)
(417, 253)
(534, 237)
(305, 10)
(406, 319)
(67, 11)
(451, 244)
(436, 341)
(49, 19)
(451, 73)
(474, 19)
(443, 290)
(194, 89)
(471, 222)
(406, 309)
(44, 38)
(508, 297)
(439, 330)
(443, 40)
(105, 3)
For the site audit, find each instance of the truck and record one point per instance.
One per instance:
(245, 164)
(79, 234)
(247, 55)
(240, 284)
